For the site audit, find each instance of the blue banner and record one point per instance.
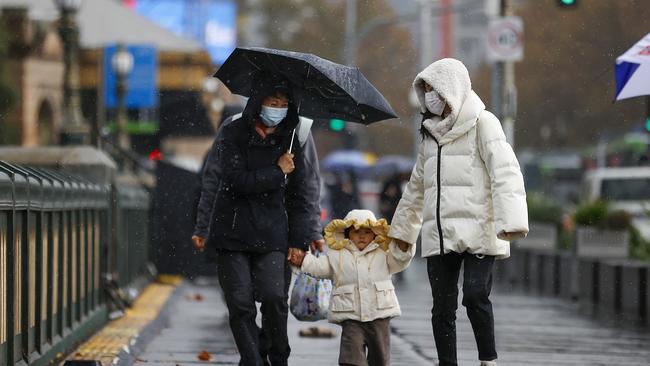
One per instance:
(142, 86)
(212, 23)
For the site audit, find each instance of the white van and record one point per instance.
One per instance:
(626, 189)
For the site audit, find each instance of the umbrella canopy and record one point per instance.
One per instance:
(348, 160)
(390, 164)
(633, 71)
(322, 88)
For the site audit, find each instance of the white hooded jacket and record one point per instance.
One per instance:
(466, 191)
(363, 289)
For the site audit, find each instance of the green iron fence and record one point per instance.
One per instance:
(59, 235)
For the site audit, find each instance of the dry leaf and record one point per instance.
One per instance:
(205, 356)
(198, 297)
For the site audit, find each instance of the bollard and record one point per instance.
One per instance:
(633, 285)
(589, 281)
(609, 287)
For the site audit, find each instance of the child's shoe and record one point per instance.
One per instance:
(488, 363)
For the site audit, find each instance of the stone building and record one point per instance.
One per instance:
(36, 68)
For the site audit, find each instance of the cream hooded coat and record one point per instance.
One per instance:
(466, 190)
(363, 289)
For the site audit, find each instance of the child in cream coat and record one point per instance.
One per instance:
(360, 262)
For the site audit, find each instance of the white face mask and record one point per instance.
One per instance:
(272, 116)
(434, 104)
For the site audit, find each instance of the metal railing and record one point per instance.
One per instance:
(58, 236)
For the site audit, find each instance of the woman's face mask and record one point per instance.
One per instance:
(433, 103)
(272, 116)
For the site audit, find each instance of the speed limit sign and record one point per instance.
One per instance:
(505, 40)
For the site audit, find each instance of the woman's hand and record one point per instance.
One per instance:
(286, 163)
(511, 236)
(199, 242)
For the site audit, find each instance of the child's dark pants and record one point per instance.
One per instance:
(357, 337)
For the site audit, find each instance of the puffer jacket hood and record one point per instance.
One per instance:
(450, 79)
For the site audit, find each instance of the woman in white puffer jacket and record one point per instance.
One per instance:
(466, 194)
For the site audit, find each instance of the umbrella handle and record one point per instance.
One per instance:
(293, 137)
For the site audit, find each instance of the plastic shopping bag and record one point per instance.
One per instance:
(310, 297)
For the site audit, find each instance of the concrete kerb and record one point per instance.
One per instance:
(129, 356)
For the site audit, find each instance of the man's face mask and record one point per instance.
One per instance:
(272, 116)
(434, 104)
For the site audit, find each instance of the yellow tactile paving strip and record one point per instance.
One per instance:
(118, 334)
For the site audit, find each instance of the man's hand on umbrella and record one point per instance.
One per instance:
(317, 245)
(286, 163)
(199, 242)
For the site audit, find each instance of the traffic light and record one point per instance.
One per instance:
(337, 125)
(567, 3)
(647, 124)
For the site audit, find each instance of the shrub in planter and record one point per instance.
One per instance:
(591, 214)
(543, 209)
(639, 247)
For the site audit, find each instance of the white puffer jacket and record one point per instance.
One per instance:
(363, 289)
(466, 190)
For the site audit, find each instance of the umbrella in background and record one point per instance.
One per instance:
(348, 161)
(391, 164)
(322, 88)
(633, 71)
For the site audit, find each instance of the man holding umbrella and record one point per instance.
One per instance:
(263, 210)
(261, 215)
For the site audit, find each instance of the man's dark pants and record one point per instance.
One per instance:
(244, 277)
(477, 283)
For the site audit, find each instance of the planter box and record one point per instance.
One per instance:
(542, 237)
(594, 242)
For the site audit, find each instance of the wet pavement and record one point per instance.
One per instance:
(531, 330)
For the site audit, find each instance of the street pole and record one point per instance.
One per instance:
(426, 33)
(510, 92)
(74, 130)
(350, 32)
(123, 64)
(508, 89)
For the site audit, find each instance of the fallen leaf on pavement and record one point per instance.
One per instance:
(198, 297)
(205, 356)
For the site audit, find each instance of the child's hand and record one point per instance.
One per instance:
(402, 245)
(296, 256)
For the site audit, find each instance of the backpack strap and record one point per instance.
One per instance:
(303, 128)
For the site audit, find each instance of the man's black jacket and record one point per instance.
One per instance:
(246, 203)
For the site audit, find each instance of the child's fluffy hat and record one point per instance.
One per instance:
(335, 230)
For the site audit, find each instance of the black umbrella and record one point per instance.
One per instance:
(322, 88)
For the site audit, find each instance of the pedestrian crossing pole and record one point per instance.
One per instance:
(509, 90)
(504, 48)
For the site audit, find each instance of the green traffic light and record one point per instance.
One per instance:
(567, 3)
(647, 124)
(337, 124)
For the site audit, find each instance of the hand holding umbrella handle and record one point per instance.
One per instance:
(286, 163)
